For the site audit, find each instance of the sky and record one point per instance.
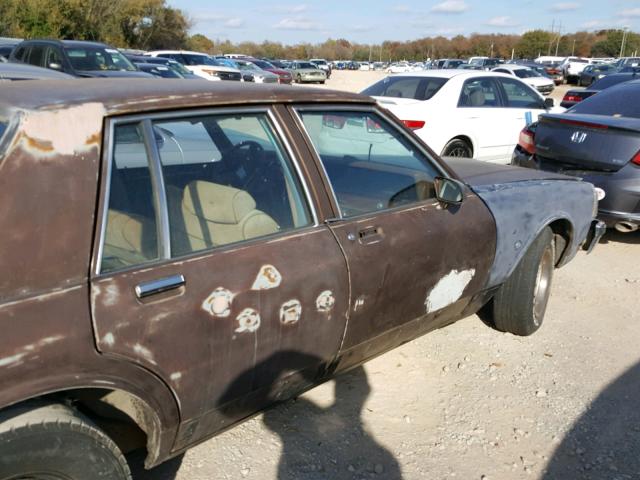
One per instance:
(372, 21)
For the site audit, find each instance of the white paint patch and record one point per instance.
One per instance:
(109, 339)
(176, 376)
(448, 290)
(28, 349)
(359, 303)
(63, 131)
(248, 321)
(290, 312)
(269, 277)
(50, 340)
(111, 295)
(12, 359)
(325, 301)
(144, 352)
(218, 303)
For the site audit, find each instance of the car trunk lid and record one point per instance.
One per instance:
(586, 142)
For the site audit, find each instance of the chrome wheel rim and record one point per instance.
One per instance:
(543, 285)
(458, 151)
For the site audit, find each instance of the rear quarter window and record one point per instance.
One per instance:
(417, 88)
(621, 101)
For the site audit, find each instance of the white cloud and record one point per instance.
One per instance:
(209, 17)
(450, 6)
(234, 23)
(296, 23)
(290, 9)
(630, 12)
(565, 6)
(401, 9)
(503, 22)
(592, 24)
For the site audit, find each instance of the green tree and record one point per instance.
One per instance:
(534, 43)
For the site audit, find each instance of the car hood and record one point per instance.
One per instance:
(114, 74)
(538, 81)
(308, 70)
(476, 173)
(279, 71)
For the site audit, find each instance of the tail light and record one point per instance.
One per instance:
(636, 158)
(526, 141)
(568, 97)
(413, 124)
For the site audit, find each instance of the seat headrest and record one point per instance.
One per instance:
(217, 203)
(476, 97)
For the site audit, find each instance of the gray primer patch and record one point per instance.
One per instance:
(448, 290)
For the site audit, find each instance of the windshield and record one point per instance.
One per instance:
(418, 88)
(98, 58)
(247, 66)
(522, 73)
(319, 62)
(193, 59)
(262, 64)
(306, 65)
(178, 67)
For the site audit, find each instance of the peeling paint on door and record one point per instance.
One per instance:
(248, 321)
(218, 303)
(448, 290)
(268, 277)
(325, 301)
(290, 312)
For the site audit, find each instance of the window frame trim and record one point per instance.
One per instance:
(163, 212)
(295, 111)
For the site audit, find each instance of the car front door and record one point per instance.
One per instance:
(481, 112)
(212, 270)
(413, 264)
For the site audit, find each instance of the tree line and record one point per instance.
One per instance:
(152, 24)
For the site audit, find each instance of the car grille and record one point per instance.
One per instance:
(229, 76)
(270, 80)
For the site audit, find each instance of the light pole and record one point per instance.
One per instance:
(573, 49)
(624, 39)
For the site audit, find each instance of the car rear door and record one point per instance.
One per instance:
(212, 269)
(413, 264)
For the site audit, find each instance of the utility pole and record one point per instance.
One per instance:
(573, 49)
(491, 55)
(558, 39)
(624, 38)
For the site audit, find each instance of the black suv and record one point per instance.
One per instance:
(80, 59)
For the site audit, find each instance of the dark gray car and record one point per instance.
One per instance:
(599, 141)
(17, 71)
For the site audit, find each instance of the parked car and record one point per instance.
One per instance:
(591, 73)
(307, 72)
(597, 140)
(531, 77)
(253, 73)
(17, 71)
(468, 66)
(463, 113)
(322, 64)
(554, 71)
(156, 70)
(445, 63)
(399, 67)
(486, 63)
(155, 302)
(80, 59)
(627, 62)
(200, 64)
(572, 68)
(284, 75)
(177, 67)
(579, 94)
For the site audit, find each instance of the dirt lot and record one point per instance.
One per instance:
(467, 402)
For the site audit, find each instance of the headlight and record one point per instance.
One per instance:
(213, 73)
(598, 195)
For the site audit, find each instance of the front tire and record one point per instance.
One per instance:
(457, 148)
(53, 442)
(521, 302)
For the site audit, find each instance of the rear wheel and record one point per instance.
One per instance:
(53, 442)
(457, 148)
(521, 302)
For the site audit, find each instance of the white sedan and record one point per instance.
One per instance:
(528, 75)
(463, 113)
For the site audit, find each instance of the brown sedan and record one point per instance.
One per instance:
(178, 256)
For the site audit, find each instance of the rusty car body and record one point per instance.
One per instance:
(160, 337)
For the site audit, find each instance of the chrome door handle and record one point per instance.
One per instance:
(158, 286)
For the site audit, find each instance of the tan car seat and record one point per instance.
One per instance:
(476, 98)
(215, 214)
(129, 240)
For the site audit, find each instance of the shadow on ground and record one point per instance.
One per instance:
(613, 235)
(603, 444)
(166, 471)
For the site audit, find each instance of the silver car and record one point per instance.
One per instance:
(307, 72)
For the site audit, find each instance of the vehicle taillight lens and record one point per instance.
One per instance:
(526, 141)
(413, 124)
(572, 98)
(636, 158)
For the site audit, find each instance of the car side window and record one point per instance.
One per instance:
(479, 93)
(227, 179)
(371, 165)
(53, 56)
(36, 56)
(21, 53)
(519, 95)
(130, 236)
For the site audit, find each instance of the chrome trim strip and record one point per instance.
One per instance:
(296, 165)
(107, 155)
(159, 194)
(158, 286)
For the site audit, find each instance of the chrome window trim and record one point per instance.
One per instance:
(159, 194)
(141, 119)
(370, 109)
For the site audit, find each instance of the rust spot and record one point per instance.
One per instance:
(95, 138)
(268, 277)
(36, 144)
(290, 312)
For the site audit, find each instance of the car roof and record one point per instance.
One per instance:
(21, 70)
(146, 95)
(67, 43)
(447, 73)
(511, 66)
(183, 52)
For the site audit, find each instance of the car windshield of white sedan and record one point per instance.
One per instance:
(370, 164)
(526, 73)
(306, 65)
(418, 88)
(89, 59)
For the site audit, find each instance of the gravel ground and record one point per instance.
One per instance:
(466, 401)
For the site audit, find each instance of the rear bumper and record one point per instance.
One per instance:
(545, 89)
(596, 231)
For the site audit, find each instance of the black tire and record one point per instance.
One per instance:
(298, 79)
(53, 442)
(322, 82)
(457, 148)
(520, 304)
